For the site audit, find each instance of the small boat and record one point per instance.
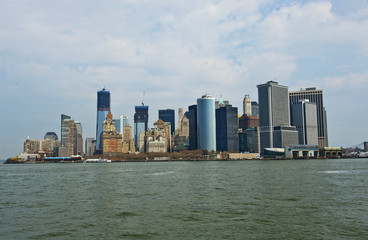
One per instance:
(99, 160)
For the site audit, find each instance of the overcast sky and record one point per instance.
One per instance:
(53, 53)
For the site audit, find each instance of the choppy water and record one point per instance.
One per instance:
(314, 199)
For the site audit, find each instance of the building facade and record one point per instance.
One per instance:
(304, 118)
(227, 129)
(140, 125)
(206, 123)
(255, 109)
(168, 115)
(103, 108)
(247, 105)
(90, 148)
(111, 140)
(128, 141)
(71, 137)
(275, 129)
(247, 121)
(314, 96)
(193, 129)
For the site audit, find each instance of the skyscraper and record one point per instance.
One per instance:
(140, 124)
(255, 109)
(275, 129)
(227, 129)
(193, 129)
(304, 118)
(71, 137)
(103, 108)
(247, 105)
(314, 96)
(168, 115)
(123, 121)
(206, 122)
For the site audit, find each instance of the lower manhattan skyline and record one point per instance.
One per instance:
(55, 56)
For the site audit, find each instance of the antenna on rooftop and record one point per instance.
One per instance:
(143, 98)
(102, 83)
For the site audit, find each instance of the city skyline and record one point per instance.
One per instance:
(53, 55)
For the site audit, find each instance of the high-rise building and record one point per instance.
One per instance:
(168, 116)
(140, 125)
(51, 135)
(193, 129)
(247, 121)
(255, 109)
(103, 108)
(227, 129)
(128, 141)
(275, 129)
(206, 122)
(117, 125)
(123, 121)
(314, 96)
(71, 137)
(304, 118)
(90, 148)
(112, 141)
(247, 105)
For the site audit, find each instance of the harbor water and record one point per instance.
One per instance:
(285, 199)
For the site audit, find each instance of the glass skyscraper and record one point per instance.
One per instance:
(103, 108)
(168, 115)
(206, 122)
(140, 123)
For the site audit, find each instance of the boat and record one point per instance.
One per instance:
(99, 160)
(363, 155)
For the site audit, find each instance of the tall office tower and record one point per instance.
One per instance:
(123, 121)
(193, 129)
(117, 125)
(314, 96)
(140, 124)
(168, 116)
(79, 135)
(90, 146)
(103, 108)
(247, 105)
(255, 109)
(71, 137)
(206, 122)
(304, 118)
(247, 121)
(227, 129)
(275, 129)
(128, 141)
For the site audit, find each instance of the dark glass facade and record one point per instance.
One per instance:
(193, 130)
(103, 100)
(227, 129)
(168, 115)
(103, 108)
(140, 123)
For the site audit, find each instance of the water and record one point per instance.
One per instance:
(314, 199)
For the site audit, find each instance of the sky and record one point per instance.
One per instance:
(56, 55)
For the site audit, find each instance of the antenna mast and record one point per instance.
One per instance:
(143, 98)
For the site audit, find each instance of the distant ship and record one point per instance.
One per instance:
(99, 160)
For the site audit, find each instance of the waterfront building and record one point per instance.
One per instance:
(168, 115)
(111, 140)
(90, 148)
(206, 122)
(249, 140)
(51, 135)
(103, 108)
(314, 96)
(247, 121)
(275, 129)
(193, 129)
(128, 141)
(140, 126)
(71, 137)
(304, 118)
(247, 105)
(255, 109)
(365, 146)
(181, 139)
(158, 139)
(227, 129)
